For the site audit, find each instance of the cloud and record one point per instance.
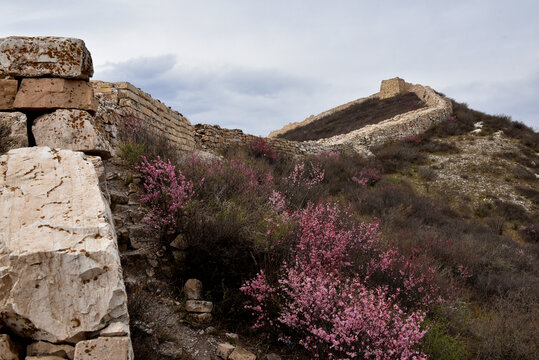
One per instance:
(517, 98)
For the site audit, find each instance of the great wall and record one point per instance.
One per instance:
(61, 284)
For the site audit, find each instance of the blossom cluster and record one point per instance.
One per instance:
(165, 192)
(322, 300)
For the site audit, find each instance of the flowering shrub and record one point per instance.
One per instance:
(262, 148)
(329, 154)
(323, 304)
(165, 191)
(530, 233)
(367, 176)
(224, 179)
(306, 175)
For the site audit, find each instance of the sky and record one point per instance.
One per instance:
(259, 65)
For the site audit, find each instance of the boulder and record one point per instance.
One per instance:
(13, 131)
(70, 129)
(8, 349)
(199, 306)
(240, 353)
(54, 93)
(43, 348)
(193, 289)
(8, 91)
(104, 348)
(224, 350)
(60, 272)
(45, 56)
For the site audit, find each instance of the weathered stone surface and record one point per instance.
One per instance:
(104, 348)
(199, 306)
(46, 357)
(202, 318)
(72, 130)
(45, 56)
(193, 289)
(240, 353)
(43, 348)
(60, 272)
(8, 91)
(54, 93)
(14, 126)
(115, 329)
(273, 357)
(180, 242)
(8, 349)
(224, 350)
(392, 87)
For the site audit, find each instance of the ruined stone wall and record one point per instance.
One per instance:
(411, 123)
(122, 98)
(214, 138)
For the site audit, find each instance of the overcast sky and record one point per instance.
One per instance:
(258, 65)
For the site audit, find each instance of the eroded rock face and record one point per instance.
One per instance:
(60, 272)
(43, 348)
(45, 56)
(70, 129)
(8, 349)
(13, 131)
(8, 91)
(104, 348)
(54, 93)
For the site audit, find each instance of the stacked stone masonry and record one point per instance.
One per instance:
(213, 138)
(61, 283)
(121, 99)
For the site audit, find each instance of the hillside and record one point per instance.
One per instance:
(461, 199)
(371, 111)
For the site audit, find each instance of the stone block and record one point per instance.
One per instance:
(71, 129)
(115, 329)
(199, 306)
(224, 350)
(8, 91)
(45, 56)
(8, 349)
(16, 135)
(43, 348)
(60, 273)
(193, 289)
(104, 348)
(240, 353)
(53, 93)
